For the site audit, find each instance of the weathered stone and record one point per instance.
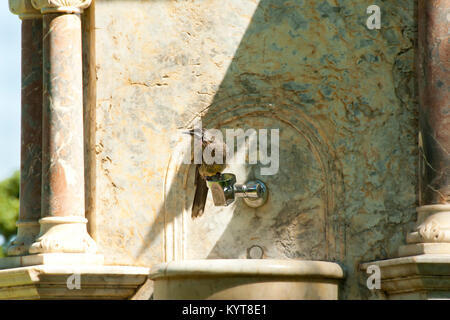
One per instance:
(433, 222)
(417, 277)
(61, 6)
(51, 282)
(434, 83)
(31, 136)
(342, 95)
(24, 9)
(429, 244)
(230, 279)
(63, 226)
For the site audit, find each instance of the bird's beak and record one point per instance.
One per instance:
(194, 133)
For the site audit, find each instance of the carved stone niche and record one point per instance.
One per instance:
(299, 221)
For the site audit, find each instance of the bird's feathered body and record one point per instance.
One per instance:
(204, 170)
(210, 170)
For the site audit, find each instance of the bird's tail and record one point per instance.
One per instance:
(201, 193)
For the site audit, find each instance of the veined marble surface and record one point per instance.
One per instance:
(343, 97)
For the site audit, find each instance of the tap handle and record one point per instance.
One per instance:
(248, 190)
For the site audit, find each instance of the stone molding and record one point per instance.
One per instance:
(49, 282)
(424, 276)
(61, 6)
(24, 9)
(84, 259)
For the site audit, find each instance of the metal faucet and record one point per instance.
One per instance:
(225, 190)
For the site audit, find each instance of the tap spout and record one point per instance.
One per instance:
(225, 190)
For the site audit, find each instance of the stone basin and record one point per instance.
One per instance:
(242, 279)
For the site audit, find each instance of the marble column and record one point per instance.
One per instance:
(31, 127)
(432, 234)
(63, 222)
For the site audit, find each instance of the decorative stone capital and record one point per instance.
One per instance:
(61, 6)
(24, 9)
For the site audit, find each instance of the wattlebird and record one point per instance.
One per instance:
(204, 170)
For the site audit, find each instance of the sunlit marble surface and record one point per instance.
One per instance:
(343, 96)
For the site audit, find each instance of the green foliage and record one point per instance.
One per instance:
(9, 206)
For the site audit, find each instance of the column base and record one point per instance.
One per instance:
(27, 232)
(433, 225)
(48, 282)
(421, 277)
(63, 234)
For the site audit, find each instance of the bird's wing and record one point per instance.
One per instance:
(201, 192)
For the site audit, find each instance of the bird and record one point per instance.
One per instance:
(205, 171)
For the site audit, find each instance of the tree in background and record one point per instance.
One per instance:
(9, 208)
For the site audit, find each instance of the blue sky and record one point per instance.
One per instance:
(9, 91)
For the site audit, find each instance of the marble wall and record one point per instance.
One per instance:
(343, 97)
